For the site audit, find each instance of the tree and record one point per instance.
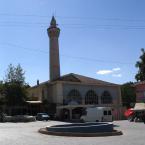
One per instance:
(140, 76)
(14, 88)
(128, 94)
(15, 74)
(2, 99)
(15, 94)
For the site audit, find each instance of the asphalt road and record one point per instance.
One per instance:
(27, 134)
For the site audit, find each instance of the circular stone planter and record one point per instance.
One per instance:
(82, 130)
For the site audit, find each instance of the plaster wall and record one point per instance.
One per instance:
(83, 89)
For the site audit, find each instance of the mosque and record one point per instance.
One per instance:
(69, 94)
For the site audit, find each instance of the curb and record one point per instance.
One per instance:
(71, 134)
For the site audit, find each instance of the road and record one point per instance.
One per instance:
(27, 134)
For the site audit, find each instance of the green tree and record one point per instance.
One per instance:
(2, 99)
(128, 94)
(14, 88)
(140, 76)
(15, 94)
(15, 74)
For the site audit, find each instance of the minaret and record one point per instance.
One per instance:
(54, 64)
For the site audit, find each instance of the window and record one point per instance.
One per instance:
(91, 97)
(84, 112)
(106, 98)
(105, 112)
(74, 96)
(109, 112)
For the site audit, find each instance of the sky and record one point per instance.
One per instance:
(99, 38)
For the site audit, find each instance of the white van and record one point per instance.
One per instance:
(97, 114)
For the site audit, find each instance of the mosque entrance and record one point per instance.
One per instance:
(65, 114)
(70, 112)
(77, 112)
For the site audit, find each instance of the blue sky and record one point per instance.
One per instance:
(99, 38)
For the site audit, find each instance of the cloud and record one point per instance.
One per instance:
(116, 69)
(111, 71)
(104, 72)
(117, 75)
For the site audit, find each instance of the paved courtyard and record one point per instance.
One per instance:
(27, 134)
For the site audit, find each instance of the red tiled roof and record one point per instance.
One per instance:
(84, 79)
(71, 77)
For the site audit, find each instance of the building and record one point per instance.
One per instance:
(140, 91)
(1, 96)
(71, 93)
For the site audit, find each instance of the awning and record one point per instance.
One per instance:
(139, 107)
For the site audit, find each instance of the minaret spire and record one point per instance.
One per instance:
(54, 64)
(53, 22)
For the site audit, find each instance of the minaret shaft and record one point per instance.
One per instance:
(54, 64)
(54, 58)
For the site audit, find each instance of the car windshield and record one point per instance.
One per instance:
(44, 115)
(84, 112)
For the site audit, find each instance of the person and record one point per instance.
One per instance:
(1, 116)
(132, 117)
(143, 117)
(66, 114)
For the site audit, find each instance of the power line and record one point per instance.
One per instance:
(24, 15)
(117, 19)
(22, 22)
(77, 27)
(102, 26)
(95, 60)
(69, 56)
(25, 48)
(75, 17)
(73, 25)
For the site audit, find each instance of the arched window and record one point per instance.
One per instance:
(74, 96)
(91, 97)
(106, 98)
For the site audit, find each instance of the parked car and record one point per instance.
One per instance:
(42, 116)
(19, 118)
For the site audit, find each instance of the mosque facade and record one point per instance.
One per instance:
(71, 93)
